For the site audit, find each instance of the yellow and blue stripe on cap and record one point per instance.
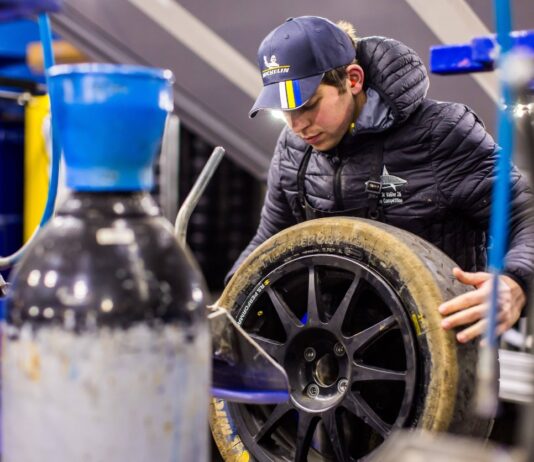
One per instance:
(290, 97)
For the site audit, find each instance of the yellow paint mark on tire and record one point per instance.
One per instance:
(415, 321)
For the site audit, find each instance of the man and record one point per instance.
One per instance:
(363, 140)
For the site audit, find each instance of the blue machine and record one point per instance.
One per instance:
(14, 38)
(477, 56)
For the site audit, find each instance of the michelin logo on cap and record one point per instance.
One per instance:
(271, 63)
(272, 67)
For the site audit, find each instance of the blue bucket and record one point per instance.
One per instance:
(110, 121)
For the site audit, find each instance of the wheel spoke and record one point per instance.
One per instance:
(364, 373)
(287, 317)
(369, 335)
(355, 404)
(272, 347)
(313, 311)
(306, 427)
(332, 428)
(272, 421)
(341, 312)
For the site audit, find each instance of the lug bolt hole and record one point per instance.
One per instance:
(342, 385)
(309, 354)
(339, 350)
(312, 391)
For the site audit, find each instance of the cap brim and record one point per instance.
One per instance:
(287, 95)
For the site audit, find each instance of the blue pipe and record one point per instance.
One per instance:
(500, 206)
(500, 210)
(503, 25)
(46, 40)
(45, 32)
(487, 374)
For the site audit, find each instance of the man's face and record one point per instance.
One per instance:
(324, 119)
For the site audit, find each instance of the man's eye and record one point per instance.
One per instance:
(309, 106)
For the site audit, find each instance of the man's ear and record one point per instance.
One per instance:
(355, 78)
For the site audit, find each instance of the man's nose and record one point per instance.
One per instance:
(297, 120)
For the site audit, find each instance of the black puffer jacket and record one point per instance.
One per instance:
(438, 167)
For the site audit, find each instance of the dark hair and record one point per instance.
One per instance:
(336, 77)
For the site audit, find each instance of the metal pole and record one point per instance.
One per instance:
(182, 219)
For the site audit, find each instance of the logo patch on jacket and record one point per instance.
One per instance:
(391, 186)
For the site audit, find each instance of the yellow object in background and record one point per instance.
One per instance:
(64, 53)
(36, 162)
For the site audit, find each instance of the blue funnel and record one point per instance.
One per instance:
(110, 121)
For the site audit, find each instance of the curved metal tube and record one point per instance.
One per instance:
(182, 219)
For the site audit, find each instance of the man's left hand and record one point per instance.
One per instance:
(471, 308)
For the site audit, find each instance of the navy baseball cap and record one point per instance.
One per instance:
(294, 57)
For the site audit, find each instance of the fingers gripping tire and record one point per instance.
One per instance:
(421, 277)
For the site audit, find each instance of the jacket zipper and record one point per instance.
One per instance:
(338, 199)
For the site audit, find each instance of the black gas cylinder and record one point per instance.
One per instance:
(106, 346)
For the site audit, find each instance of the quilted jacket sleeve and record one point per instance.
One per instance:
(276, 213)
(464, 164)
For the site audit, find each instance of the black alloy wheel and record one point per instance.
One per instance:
(349, 308)
(343, 337)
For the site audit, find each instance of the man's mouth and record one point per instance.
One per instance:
(312, 139)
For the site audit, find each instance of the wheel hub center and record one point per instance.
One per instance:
(318, 367)
(326, 370)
